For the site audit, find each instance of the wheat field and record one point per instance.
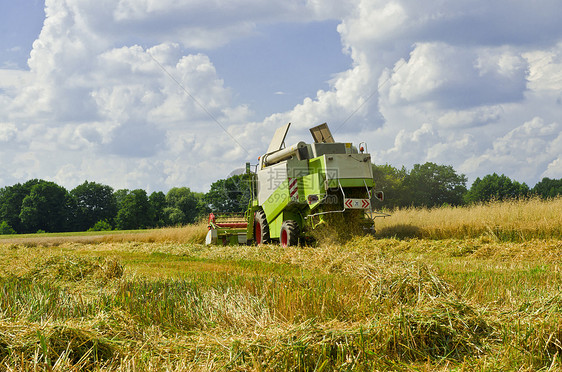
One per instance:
(474, 288)
(517, 219)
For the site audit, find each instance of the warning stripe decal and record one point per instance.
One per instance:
(293, 189)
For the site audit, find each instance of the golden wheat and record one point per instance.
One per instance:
(184, 234)
(518, 219)
(483, 294)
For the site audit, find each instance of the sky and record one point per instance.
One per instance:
(155, 94)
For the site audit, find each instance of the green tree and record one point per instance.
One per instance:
(47, 207)
(95, 202)
(229, 195)
(158, 203)
(120, 197)
(203, 209)
(389, 180)
(548, 188)
(135, 211)
(6, 229)
(495, 187)
(101, 226)
(174, 216)
(11, 199)
(431, 185)
(184, 206)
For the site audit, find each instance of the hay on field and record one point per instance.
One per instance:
(406, 283)
(76, 344)
(444, 328)
(73, 268)
(194, 234)
(4, 347)
(26, 346)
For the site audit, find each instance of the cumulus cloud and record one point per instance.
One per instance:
(554, 169)
(526, 152)
(455, 83)
(7, 132)
(458, 78)
(86, 99)
(125, 93)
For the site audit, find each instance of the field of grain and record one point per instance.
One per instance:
(476, 288)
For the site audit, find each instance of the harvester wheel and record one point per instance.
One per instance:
(289, 233)
(261, 228)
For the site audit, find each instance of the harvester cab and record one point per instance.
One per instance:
(299, 188)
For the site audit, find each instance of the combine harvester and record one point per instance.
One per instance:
(296, 188)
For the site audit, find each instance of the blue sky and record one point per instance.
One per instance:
(88, 87)
(281, 64)
(20, 24)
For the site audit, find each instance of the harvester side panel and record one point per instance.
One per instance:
(314, 189)
(348, 166)
(349, 182)
(317, 165)
(335, 170)
(290, 192)
(271, 177)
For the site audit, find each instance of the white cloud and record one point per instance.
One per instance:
(457, 83)
(408, 144)
(11, 80)
(115, 94)
(473, 117)
(452, 77)
(554, 169)
(85, 100)
(523, 153)
(545, 69)
(207, 24)
(7, 132)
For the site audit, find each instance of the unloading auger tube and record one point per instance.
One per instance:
(295, 189)
(284, 154)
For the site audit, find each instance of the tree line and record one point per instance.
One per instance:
(39, 205)
(432, 185)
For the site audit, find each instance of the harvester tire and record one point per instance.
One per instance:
(289, 233)
(261, 228)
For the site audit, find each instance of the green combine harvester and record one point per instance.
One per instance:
(295, 189)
